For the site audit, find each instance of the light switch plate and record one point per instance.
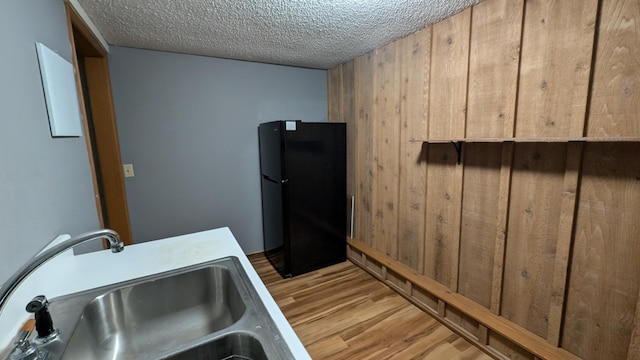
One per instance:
(128, 170)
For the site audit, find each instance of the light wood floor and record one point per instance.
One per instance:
(342, 312)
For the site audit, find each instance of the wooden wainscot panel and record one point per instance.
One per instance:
(425, 300)
(365, 173)
(508, 349)
(493, 68)
(387, 148)
(557, 45)
(375, 268)
(462, 322)
(398, 283)
(536, 194)
(615, 96)
(605, 278)
(355, 256)
(415, 50)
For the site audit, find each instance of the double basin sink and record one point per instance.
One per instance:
(206, 311)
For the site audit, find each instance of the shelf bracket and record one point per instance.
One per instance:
(458, 146)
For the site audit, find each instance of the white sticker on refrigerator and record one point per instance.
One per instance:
(291, 126)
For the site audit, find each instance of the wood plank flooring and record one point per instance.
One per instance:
(341, 312)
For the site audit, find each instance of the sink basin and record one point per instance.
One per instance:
(233, 346)
(145, 317)
(207, 311)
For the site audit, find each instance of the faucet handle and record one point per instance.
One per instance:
(22, 339)
(23, 348)
(39, 306)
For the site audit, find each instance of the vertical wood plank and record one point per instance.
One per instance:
(364, 79)
(493, 71)
(501, 227)
(449, 71)
(348, 109)
(615, 96)
(557, 45)
(565, 236)
(442, 230)
(415, 51)
(534, 212)
(447, 114)
(493, 68)
(348, 116)
(478, 225)
(334, 93)
(387, 148)
(605, 278)
(634, 344)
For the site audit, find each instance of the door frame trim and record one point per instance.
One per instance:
(109, 169)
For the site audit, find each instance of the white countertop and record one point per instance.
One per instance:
(67, 274)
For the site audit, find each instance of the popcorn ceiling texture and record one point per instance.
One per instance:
(307, 33)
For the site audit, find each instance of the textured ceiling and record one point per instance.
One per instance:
(307, 33)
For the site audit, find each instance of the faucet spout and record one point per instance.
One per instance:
(10, 285)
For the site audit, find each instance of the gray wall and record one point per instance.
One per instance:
(45, 183)
(188, 124)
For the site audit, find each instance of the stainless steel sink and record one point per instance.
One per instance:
(133, 319)
(208, 311)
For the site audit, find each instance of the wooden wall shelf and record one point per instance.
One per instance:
(457, 143)
(529, 140)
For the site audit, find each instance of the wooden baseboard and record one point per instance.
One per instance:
(494, 334)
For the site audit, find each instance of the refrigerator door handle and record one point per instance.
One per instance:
(274, 180)
(265, 177)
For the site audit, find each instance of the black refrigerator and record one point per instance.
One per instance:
(304, 213)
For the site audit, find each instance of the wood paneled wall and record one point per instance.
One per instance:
(543, 234)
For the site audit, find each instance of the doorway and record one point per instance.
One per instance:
(100, 130)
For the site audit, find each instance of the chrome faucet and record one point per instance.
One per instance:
(10, 285)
